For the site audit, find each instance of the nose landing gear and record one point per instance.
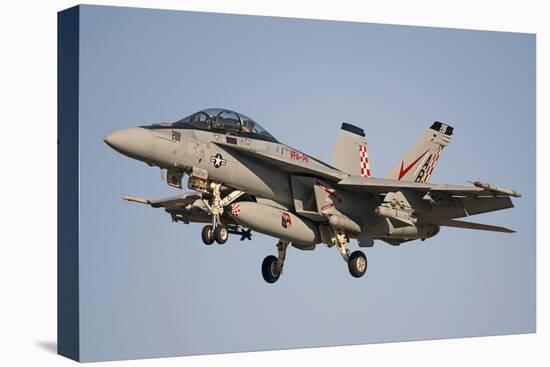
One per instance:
(217, 231)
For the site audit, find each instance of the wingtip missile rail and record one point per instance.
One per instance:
(496, 189)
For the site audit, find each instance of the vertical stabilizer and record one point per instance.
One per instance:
(351, 154)
(419, 162)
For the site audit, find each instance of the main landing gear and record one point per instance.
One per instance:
(272, 266)
(357, 261)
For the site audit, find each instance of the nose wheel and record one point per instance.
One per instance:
(219, 234)
(207, 235)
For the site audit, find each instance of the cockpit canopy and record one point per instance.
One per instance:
(226, 121)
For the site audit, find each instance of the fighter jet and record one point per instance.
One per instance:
(242, 179)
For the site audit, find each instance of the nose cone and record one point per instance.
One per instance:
(135, 142)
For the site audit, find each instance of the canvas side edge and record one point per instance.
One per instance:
(68, 329)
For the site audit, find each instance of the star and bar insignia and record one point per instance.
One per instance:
(218, 160)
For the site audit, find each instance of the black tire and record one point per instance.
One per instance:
(357, 264)
(221, 234)
(207, 235)
(268, 269)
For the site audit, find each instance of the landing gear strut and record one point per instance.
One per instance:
(217, 231)
(357, 261)
(272, 266)
(342, 244)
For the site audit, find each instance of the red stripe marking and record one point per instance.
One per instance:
(403, 172)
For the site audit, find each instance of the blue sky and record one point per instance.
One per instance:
(151, 288)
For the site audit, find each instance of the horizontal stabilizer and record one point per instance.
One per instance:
(470, 225)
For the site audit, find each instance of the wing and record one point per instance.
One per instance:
(173, 202)
(304, 165)
(382, 185)
(436, 202)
